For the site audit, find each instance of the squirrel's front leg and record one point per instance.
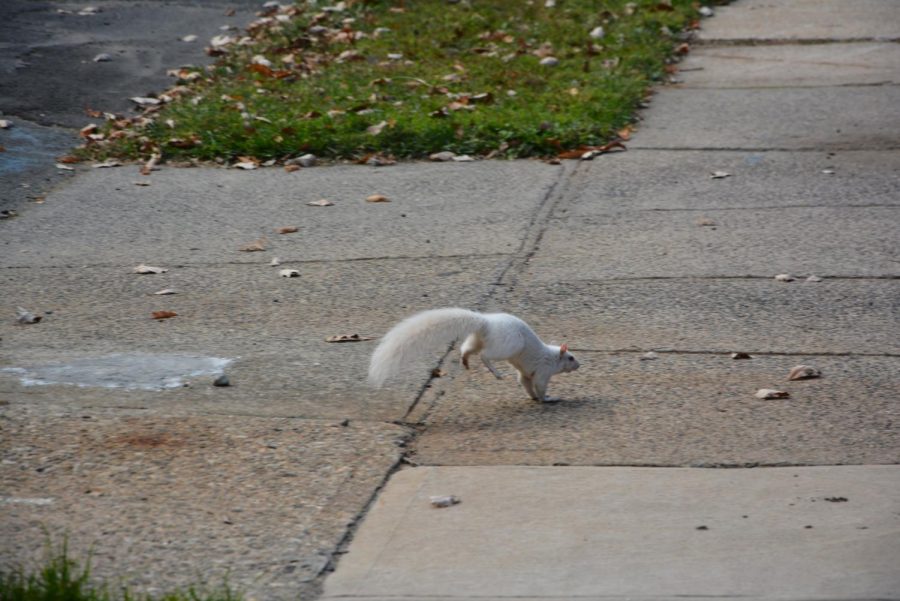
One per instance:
(527, 384)
(540, 382)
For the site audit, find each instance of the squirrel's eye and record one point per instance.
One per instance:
(571, 358)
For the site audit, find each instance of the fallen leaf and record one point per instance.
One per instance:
(107, 163)
(813, 278)
(741, 356)
(625, 133)
(288, 229)
(246, 165)
(289, 273)
(142, 269)
(145, 101)
(445, 500)
(770, 393)
(141, 183)
(784, 277)
(463, 158)
(376, 160)
(804, 372)
(150, 165)
(705, 221)
(719, 175)
(579, 153)
(549, 61)
(374, 130)
(64, 167)
(255, 246)
(26, 317)
(102, 58)
(596, 33)
(165, 292)
(291, 168)
(275, 262)
(189, 38)
(306, 160)
(377, 198)
(163, 314)
(322, 202)
(438, 373)
(445, 155)
(348, 338)
(649, 356)
(67, 159)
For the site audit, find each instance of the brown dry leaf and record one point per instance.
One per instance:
(150, 165)
(288, 229)
(68, 159)
(164, 314)
(578, 153)
(705, 221)
(322, 202)
(438, 373)
(374, 130)
(377, 198)
(625, 133)
(291, 168)
(87, 130)
(770, 393)
(255, 246)
(348, 338)
(804, 372)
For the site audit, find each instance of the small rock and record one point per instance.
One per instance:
(322, 202)
(597, 33)
(102, 58)
(706, 11)
(741, 356)
(275, 262)
(444, 156)
(705, 222)
(289, 273)
(813, 278)
(165, 292)
(463, 158)
(549, 61)
(828, 171)
(444, 501)
(89, 10)
(649, 356)
(784, 277)
(145, 269)
(377, 198)
(5, 124)
(719, 175)
(222, 381)
(189, 38)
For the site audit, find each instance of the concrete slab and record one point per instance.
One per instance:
(599, 241)
(160, 502)
(719, 315)
(834, 118)
(661, 180)
(273, 327)
(780, 66)
(760, 20)
(191, 216)
(677, 410)
(629, 533)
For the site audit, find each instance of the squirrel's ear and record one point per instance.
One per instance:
(563, 349)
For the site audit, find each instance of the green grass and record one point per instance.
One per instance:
(451, 52)
(60, 578)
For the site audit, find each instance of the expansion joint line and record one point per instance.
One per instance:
(512, 268)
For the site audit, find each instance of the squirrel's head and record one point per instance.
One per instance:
(567, 361)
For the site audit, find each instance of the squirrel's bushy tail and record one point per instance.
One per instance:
(407, 341)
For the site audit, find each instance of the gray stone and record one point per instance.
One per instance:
(285, 367)
(759, 20)
(628, 533)
(598, 241)
(792, 66)
(158, 503)
(683, 409)
(830, 118)
(189, 216)
(715, 314)
(659, 180)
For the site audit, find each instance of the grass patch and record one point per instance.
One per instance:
(410, 78)
(62, 579)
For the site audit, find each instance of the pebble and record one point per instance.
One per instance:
(549, 61)
(222, 381)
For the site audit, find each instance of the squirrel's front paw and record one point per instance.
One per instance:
(551, 399)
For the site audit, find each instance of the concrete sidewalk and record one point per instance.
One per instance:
(171, 480)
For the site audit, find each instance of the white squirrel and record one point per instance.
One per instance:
(497, 336)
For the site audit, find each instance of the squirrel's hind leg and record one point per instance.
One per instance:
(471, 345)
